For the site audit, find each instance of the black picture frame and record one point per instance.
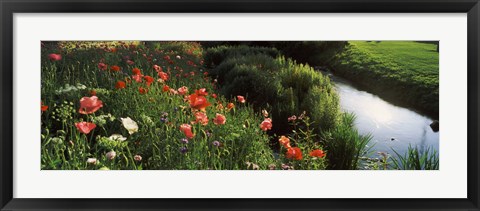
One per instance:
(9, 7)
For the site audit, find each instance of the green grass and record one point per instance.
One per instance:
(403, 59)
(405, 72)
(414, 159)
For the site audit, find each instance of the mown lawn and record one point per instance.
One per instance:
(403, 71)
(410, 60)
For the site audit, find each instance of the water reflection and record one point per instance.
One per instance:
(391, 126)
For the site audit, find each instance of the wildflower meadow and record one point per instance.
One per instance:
(134, 105)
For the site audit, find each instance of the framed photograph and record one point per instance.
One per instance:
(240, 105)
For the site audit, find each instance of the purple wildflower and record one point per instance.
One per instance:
(183, 150)
(184, 140)
(216, 143)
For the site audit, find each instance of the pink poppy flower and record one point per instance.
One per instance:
(201, 118)
(137, 78)
(85, 127)
(183, 90)
(89, 105)
(266, 124)
(55, 57)
(219, 119)
(157, 68)
(102, 66)
(241, 99)
(163, 75)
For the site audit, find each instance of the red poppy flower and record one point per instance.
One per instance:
(165, 88)
(142, 90)
(136, 71)
(85, 127)
(130, 62)
(266, 124)
(44, 107)
(166, 57)
(214, 96)
(201, 118)
(93, 92)
(230, 106)
(113, 50)
(317, 153)
(187, 130)
(55, 57)
(115, 68)
(284, 141)
(102, 66)
(148, 79)
(241, 99)
(219, 119)
(89, 105)
(198, 102)
(294, 153)
(120, 85)
(201, 92)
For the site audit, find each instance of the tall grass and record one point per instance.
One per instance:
(415, 159)
(345, 145)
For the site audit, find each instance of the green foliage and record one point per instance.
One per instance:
(214, 56)
(403, 72)
(311, 52)
(345, 145)
(280, 85)
(414, 159)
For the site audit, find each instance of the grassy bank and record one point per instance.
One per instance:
(406, 73)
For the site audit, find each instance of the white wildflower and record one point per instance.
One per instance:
(117, 137)
(130, 125)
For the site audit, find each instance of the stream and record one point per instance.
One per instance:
(391, 126)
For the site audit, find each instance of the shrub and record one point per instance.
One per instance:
(311, 52)
(252, 83)
(214, 56)
(281, 86)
